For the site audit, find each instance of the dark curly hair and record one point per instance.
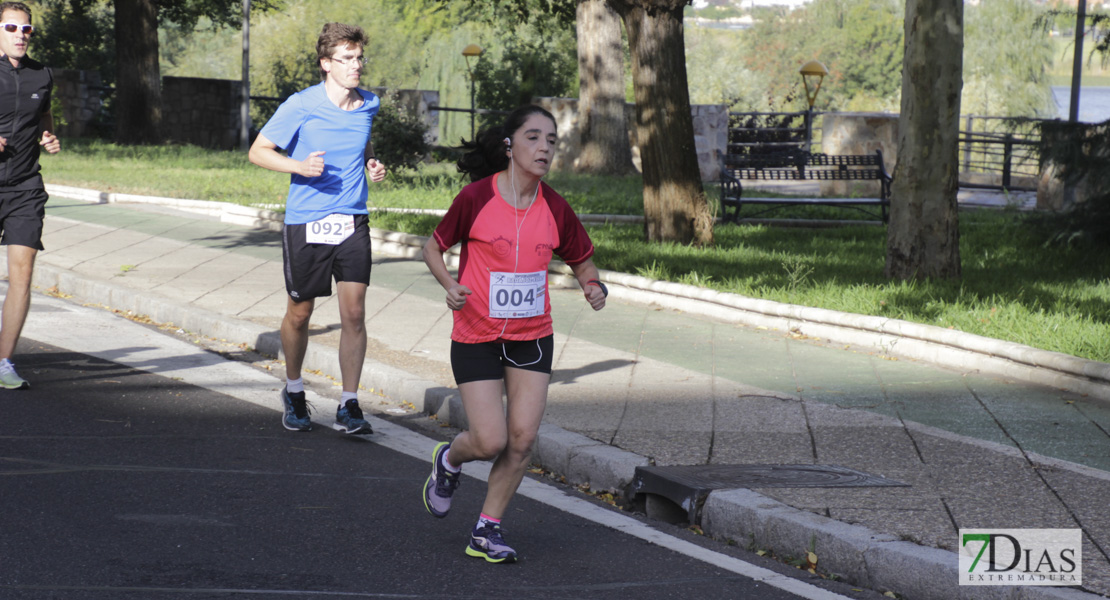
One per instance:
(334, 35)
(485, 154)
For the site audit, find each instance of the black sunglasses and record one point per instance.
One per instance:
(13, 27)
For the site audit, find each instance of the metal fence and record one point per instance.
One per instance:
(995, 152)
(1004, 152)
(770, 132)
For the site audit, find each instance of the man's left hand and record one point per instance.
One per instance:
(376, 170)
(50, 142)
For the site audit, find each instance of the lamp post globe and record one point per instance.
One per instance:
(811, 72)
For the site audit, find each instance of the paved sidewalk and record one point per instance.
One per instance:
(640, 384)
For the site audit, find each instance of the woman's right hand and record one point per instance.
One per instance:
(456, 296)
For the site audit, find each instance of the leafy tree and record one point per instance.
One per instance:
(283, 46)
(860, 41)
(445, 70)
(204, 51)
(1006, 59)
(719, 72)
(1081, 152)
(399, 136)
(602, 126)
(536, 59)
(675, 207)
(870, 49)
(73, 35)
(83, 27)
(283, 55)
(923, 233)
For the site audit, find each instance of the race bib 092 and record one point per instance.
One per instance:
(331, 230)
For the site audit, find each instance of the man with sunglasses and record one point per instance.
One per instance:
(325, 132)
(25, 129)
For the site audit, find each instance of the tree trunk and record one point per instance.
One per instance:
(675, 208)
(923, 238)
(138, 102)
(605, 147)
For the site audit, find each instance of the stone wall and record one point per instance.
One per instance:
(710, 134)
(79, 94)
(203, 112)
(416, 102)
(859, 133)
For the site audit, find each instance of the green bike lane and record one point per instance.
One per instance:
(1033, 418)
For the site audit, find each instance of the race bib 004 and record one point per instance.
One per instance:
(331, 230)
(516, 295)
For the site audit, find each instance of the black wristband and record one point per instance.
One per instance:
(597, 282)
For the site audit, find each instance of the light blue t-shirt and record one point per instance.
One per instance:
(308, 122)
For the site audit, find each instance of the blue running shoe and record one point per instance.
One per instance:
(348, 419)
(441, 484)
(9, 379)
(488, 543)
(296, 411)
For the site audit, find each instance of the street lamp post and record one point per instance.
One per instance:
(476, 51)
(812, 72)
(245, 89)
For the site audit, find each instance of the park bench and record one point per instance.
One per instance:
(799, 165)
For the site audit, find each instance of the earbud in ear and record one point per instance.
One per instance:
(508, 142)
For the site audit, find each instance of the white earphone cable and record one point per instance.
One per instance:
(519, 225)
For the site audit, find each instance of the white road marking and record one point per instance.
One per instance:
(110, 337)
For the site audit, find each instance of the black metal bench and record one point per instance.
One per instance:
(802, 166)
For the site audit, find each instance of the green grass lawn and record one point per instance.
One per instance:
(1014, 287)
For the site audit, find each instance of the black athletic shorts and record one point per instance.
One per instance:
(479, 362)
(309, 268)
(21, 214)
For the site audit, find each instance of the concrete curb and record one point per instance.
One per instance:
(858, 554)
(864, 557)
(938, 345)
(398, 384)
(947, 347)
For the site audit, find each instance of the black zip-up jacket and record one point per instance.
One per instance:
(24, 97)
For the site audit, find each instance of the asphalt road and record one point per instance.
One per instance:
(122, 482)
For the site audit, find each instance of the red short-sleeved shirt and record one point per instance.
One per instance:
(494, 266)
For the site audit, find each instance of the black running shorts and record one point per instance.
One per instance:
(309, 268)
(21, 214)
(479, 362)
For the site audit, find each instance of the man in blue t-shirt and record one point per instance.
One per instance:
(325, 132)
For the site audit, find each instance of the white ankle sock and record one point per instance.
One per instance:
(447, 464)
(294, 385)
(485, 520)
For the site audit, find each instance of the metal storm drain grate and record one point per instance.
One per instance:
(688, 485)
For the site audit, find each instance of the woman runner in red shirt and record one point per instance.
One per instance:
(510, 224)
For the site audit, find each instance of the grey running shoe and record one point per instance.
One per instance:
(348, 419)
(296, 411)
(441, 484)
(9, 379)
(487, 542)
